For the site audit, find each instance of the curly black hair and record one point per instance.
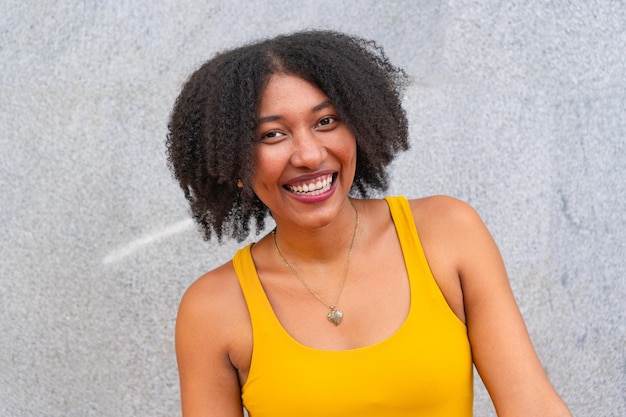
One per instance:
(212, 126)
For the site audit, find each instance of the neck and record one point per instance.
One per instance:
(318, 244)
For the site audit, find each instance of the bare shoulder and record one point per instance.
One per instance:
(213, 299)
(213, 285)
(447, 220)
(441, 208)
(452, 236)
(213, 318)
(468, 267)
(213, 344)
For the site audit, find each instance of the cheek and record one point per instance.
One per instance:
(256, 162)
(351, 150)
(351, 157)
(264, 165)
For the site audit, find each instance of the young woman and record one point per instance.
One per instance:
(350, 306)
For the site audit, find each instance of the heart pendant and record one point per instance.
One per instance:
(335, 317)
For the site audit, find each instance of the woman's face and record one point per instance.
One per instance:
(304, 155)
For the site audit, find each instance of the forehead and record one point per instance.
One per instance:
(289, 93)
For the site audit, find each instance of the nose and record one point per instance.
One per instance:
(308, 150)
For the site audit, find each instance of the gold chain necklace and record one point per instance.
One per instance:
(335, 315)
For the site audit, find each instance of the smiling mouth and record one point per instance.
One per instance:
(313, 187)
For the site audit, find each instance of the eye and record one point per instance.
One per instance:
(271, 134)
(326, 121)
(271, 137)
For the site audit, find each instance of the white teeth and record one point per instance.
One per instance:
(313, 188)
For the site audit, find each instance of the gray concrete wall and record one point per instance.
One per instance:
(516, 107)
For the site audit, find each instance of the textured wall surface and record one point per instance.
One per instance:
(516, 107)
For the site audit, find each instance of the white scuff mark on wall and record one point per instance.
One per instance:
(138, 243)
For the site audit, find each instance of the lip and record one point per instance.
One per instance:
(309, 177)
(310, 199)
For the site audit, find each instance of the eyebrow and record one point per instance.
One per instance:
(322, 105)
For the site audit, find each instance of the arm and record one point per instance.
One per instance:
(501, 347)
(209, 382)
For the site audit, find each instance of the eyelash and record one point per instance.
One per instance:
(330, 120)
(267, 135)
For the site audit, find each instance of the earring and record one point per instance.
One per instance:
(239, 183)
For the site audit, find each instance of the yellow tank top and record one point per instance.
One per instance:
(423, 369)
